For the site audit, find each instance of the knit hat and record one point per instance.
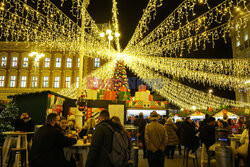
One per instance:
(169, 121)
(154, 116)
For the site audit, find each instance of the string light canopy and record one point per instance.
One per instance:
(45, 25)
(224, 73)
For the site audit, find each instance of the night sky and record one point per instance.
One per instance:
(130, 12)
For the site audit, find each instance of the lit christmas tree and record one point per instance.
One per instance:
(7, 116)
(119, 79)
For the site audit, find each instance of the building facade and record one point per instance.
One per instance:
(20, 73)
(241, 49)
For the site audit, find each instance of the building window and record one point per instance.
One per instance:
(69, 63)
(77, 82)
(237, 43)
(67, 82)
(46, 62)
(12, 81)
(23, 81)
(25, 61)
(58, 62)
(56, 82)
(246, 36)
(4, 62)
(78, 62)
(97, 62)
(2, 81)
(34, 82)
(14, 62)
(45, 81)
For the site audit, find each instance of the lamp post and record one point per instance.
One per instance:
(110, 36)
(37, 57)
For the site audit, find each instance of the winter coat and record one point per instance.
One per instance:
(172, 136)
(20, 125)
(180, 129)
(155, 136)
(207, 135)
(101, 143)
(141, 123)
(47, 148)
(189, 138)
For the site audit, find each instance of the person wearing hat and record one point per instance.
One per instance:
(156, 141)
(141, 123)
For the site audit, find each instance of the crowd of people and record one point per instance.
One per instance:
(111, 143)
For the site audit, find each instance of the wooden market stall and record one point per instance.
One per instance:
(39, 104)
(219, 115)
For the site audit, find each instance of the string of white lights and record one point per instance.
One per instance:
(103, 73)
(225, 73)
(194, 33)
(145, 19)
(170, 88)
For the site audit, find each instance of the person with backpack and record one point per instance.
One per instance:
(156, 141)
(109, 146)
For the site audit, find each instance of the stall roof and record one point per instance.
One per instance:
(197, 114)
(229, 114)
(37, 93)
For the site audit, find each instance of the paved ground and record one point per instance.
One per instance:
(176, 162)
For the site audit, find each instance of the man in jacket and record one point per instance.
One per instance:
(24, 123)
(47, 148)
(101, 143)
(189, 138)
(207, 133)
(141, 123)
(156, 141)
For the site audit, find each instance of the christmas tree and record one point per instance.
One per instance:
(119, 79)
(7, 116)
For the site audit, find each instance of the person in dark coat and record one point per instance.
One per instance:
(207, 133)
(129, 121)
(204, 122)
(24, 123)
(47, 148)
(189, 138)
(179, 133)
(102, 142)
(141, 123)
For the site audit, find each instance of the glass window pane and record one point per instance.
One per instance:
(45, 81)
(68, 63)
(4, 62)
(12, 81)
(14, 62)
(46, 62)
(58, 62)
(23, 81)
(56, 82)
(2, 81)
(67, 82)
(25, 62)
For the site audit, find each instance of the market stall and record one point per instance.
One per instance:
(197, 116)
(39, 104)
(219, 115)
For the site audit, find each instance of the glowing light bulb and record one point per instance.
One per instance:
(110, 37)
(108, 31)
(102, 34)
